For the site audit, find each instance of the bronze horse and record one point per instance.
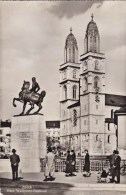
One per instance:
(26, 96)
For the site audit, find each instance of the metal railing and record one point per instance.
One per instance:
(95, 164)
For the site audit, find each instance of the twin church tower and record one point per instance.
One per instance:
(82, 95)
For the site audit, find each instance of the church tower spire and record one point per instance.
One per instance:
(71, 49)
(92, 38)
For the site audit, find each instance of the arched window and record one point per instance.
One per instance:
(74, 91)
(109, 139)
(96, 82)
(74, 118)
(74, 74)
(97, 107)
(91, 44)
(85, 84)
(65, 92)
(96, 65)
(96, 121)
(69, 54)
(96, 137)
(73, 60)
(85, 65)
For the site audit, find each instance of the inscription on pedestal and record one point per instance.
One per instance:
(24, 139)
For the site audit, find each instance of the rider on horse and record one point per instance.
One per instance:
(30, 96)
(35, 86)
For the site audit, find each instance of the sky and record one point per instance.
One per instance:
(32, 40)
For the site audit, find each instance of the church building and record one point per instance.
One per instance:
(86, 111)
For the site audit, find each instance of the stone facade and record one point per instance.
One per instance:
(83, 109)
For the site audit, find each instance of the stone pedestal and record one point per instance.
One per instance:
(28, 137)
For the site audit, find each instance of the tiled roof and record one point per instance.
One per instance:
(115, 100)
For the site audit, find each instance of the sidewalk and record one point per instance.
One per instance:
(61, 182)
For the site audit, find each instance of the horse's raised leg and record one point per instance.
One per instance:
(24, 106)
(32, 107)
(40, 107)
(17, 99)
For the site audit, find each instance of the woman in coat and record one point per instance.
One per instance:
(74, 162)
(87, 164)
(68, 164)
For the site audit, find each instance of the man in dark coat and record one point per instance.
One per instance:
(87, 162)
(116, 167)
(14, 159)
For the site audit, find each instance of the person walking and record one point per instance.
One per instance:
(116, 168)
(74, 162)
(86, 168)
(50, 165)
(68, 163)
(14, 159)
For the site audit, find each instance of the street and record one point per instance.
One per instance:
(32, 183)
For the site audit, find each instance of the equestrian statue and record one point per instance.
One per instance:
(30, 96)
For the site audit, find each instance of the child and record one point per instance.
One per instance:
(104, 176)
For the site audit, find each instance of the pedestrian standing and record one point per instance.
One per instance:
(74, 161)
(116, 168)
(68, 163)
(86, 168)
(50, 165)
(14, 159)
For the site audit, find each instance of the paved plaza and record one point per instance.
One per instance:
(32, 183)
